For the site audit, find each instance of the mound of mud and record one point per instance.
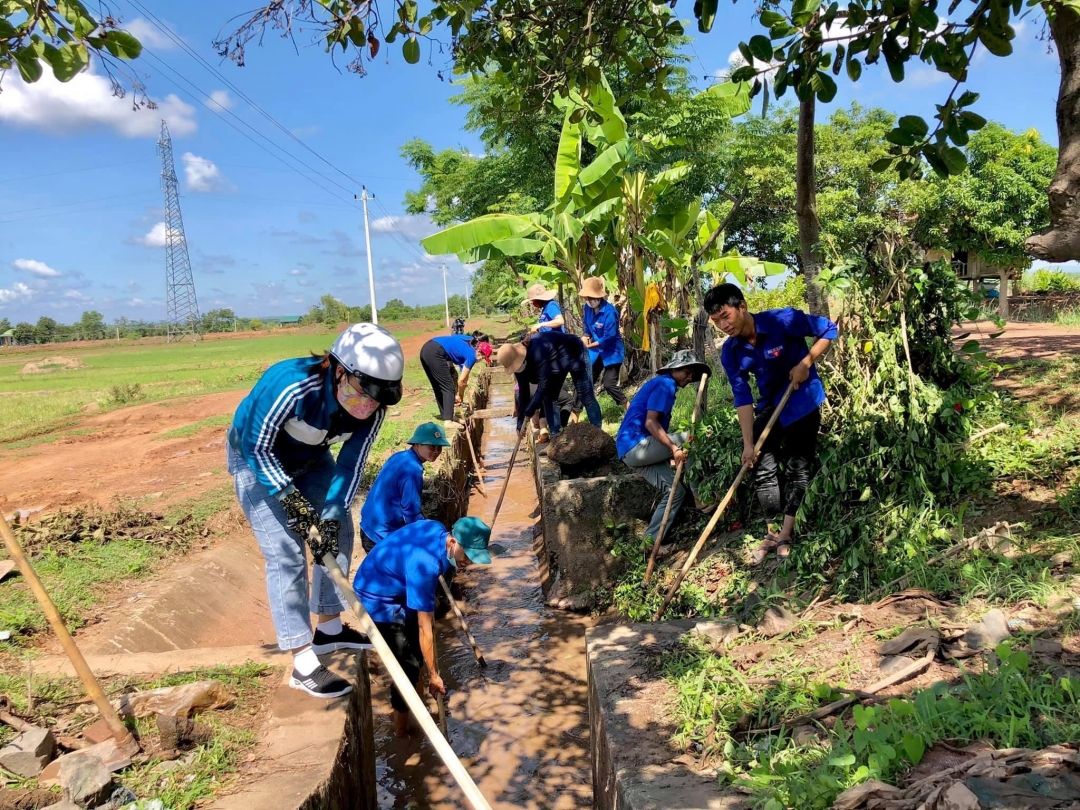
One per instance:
(50, 364)
(580, 449)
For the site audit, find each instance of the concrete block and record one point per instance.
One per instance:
(29, 753)
(86, 781)
(113, 758)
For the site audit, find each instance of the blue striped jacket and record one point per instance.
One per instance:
(291, 418)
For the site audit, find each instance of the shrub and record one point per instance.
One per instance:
(1046, 280)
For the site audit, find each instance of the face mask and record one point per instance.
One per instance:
(450, 556)
(357, 405)
(597, 303)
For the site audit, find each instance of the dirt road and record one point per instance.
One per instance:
(1026, 341)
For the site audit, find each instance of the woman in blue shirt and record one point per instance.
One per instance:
(287, 481)
(550, 313)
(602, 338)
(441, 357)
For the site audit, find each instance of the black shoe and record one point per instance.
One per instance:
(348, 639)
(322, 683)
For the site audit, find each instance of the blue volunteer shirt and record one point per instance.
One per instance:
(781, 345)
(602, 325)
(458, 349)
(658, 394)
(290, 418)
(550, 312)
(395, 497)
(548, 357)
(403, 572)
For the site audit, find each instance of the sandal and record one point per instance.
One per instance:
(765, 547)
(783, 548)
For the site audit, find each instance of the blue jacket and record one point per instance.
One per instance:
(402, 572)
(657, 394)
(550, 312)
(290, 418)
(459, 349)
(602, 326)
(395, 497)
(780, 346)
(549, 357)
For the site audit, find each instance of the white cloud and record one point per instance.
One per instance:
(220, 99)
(35, 268)
(412, 226)
(297, 272)
(149, 34)
(87, 102)
(926, 77)
(75, 295)
(19, 292)
(202, 174)
(154, 239)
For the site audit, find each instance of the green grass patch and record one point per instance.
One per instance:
(1010, 704)
(113, 376)
(202, 771)
(200, 508)
(221, 420)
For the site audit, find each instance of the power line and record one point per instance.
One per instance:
(74, 202)
(215, 72)
(92, 209)
(73, 171)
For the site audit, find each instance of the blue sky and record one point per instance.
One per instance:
(81, 206)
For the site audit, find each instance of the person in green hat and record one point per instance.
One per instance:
(396, 583)
(394, 498)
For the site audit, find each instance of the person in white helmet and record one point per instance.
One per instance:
(287, 480)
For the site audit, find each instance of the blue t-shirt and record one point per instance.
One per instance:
(781, 345)
(395, 497)
(658, 394)
(403, 572)
(550, 312)
(458, 349)
(602, 326)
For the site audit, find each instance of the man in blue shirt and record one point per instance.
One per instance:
(395, 497)
(396, 583)
(771, 345)
(643, 442)
(441, 357)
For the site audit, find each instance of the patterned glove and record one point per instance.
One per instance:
(299, 514)
(326, 543)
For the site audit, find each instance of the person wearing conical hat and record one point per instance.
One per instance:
(550, 320)
(643, 442)
(544, 361)
(602, 338)
(550, 313)
(394, 499)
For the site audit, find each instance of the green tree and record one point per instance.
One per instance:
(91, 325)
(24, 333)
(5, 324)
(46, 330)
(992, 208)
(333, 310)
(217, 320)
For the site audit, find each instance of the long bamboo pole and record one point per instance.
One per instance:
(702, 386)
(124, 741)
(720, 509)
(475, 463)
(506, 481)
(464, 624)
(404, 685)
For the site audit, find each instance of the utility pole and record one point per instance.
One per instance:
(468, 295)
(446, 296)
(364, 197)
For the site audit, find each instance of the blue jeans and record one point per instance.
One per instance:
(286, 554)
(583, 385)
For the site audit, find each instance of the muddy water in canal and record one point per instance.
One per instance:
(520, 726)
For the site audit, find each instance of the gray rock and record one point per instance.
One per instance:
(718, 632)
(29, 753)
(987, 634)
(777, 620)
(86, 781)
(1046, 646)
(891, 664)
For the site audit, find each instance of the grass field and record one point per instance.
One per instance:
(112, 375)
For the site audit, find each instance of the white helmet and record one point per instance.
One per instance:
(374, 356)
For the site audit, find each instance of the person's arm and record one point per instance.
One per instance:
(744, 401)
(258, 436)
(656, 430)
(802, 325)
(555, 322)
(412, 491)
(542, 360)
(350, 468)
(746, 425)
(463, 383)
(609, 335)
(426, 621)
(521, 399)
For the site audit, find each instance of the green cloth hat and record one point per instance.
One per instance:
(429, 433)
(472, 534)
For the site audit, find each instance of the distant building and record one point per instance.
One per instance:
(977, 272)
(7, 338)
(289, 320)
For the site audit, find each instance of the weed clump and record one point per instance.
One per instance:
(124, 394)
(62, 531)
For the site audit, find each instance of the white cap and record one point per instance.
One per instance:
(367, 350)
